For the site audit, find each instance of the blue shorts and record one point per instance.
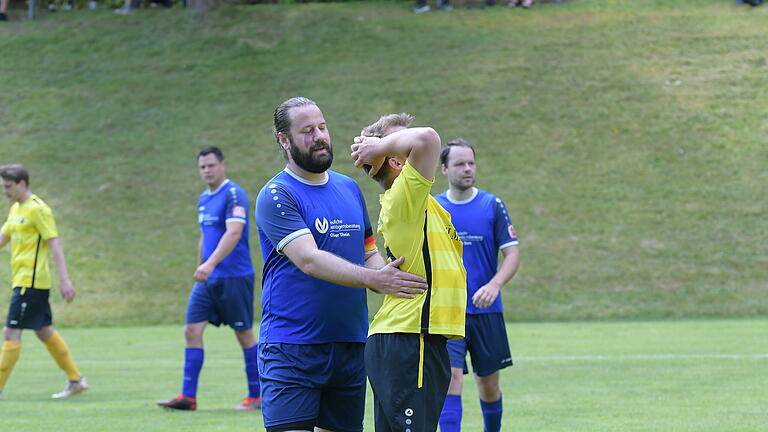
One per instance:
(222, 301)
(319, 383)
(486, 341)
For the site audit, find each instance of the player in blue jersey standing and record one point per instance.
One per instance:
(319, 251)
(484, 227)
(223, 293)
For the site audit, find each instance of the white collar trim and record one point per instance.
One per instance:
(466, 201)
(308, 182)
(208, 191)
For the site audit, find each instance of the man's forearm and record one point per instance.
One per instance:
(403, 142)
(375, 261)
(329, 267)
(508, 267)
(58, 258)
(226, 244)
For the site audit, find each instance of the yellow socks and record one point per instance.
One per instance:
(60, 352)
(8, 356)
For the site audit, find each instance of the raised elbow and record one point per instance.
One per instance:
(429, 137)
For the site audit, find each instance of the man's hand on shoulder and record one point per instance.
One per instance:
(395, 282)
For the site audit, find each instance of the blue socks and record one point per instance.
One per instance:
(450, 418)
(492, 415)
(252, 371)
(193, 363)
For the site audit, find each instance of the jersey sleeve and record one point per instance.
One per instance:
(237, 205)
(407, 199)
(278, 216)
(503, 230)
(369, 243)
(44, 223)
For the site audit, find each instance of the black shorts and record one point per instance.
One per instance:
(409, 375)
(29, 309)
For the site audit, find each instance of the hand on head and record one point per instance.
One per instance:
(365, 153)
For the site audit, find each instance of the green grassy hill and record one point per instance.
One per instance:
(627, 137)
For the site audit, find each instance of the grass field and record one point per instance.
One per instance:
(696, 376)
(627, 137)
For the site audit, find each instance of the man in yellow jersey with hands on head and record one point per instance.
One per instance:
(406, 356)
(31, 230)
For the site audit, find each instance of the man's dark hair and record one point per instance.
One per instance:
(15, 173)
(446, 151)
(283, 120)
(205, 151)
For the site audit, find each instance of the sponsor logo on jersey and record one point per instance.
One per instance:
(468, 239)
(336, 227)
(321, 226)
(207, 219)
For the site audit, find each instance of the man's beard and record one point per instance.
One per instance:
(308, 161)
(460, 185)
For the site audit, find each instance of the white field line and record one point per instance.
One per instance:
(642, 357)
(522, 358)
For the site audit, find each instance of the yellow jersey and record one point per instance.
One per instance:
(29, 227)
(416, 227)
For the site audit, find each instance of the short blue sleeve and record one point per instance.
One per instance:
(503, 230)
(237, 204)
(278, 216)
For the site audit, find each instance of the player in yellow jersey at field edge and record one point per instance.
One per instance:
(31, 230)
(406, 356)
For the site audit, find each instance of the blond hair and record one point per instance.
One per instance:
(385, 122)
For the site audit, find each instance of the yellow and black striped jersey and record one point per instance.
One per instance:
(416, 227)
(29, 227)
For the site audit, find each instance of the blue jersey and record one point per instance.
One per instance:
(214, 209)
(298, 308)
(484, 227)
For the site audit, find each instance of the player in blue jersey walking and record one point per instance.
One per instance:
(484, 227)
(223, 293)
(319, 251)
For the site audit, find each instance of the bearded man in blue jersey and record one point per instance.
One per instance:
(483, 224)
(319, 251)
(223, 293)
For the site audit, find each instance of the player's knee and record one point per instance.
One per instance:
(489, 388)
(44, 333)
(245, 338)
(193, 335)
(11, 334)
(457, 375)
